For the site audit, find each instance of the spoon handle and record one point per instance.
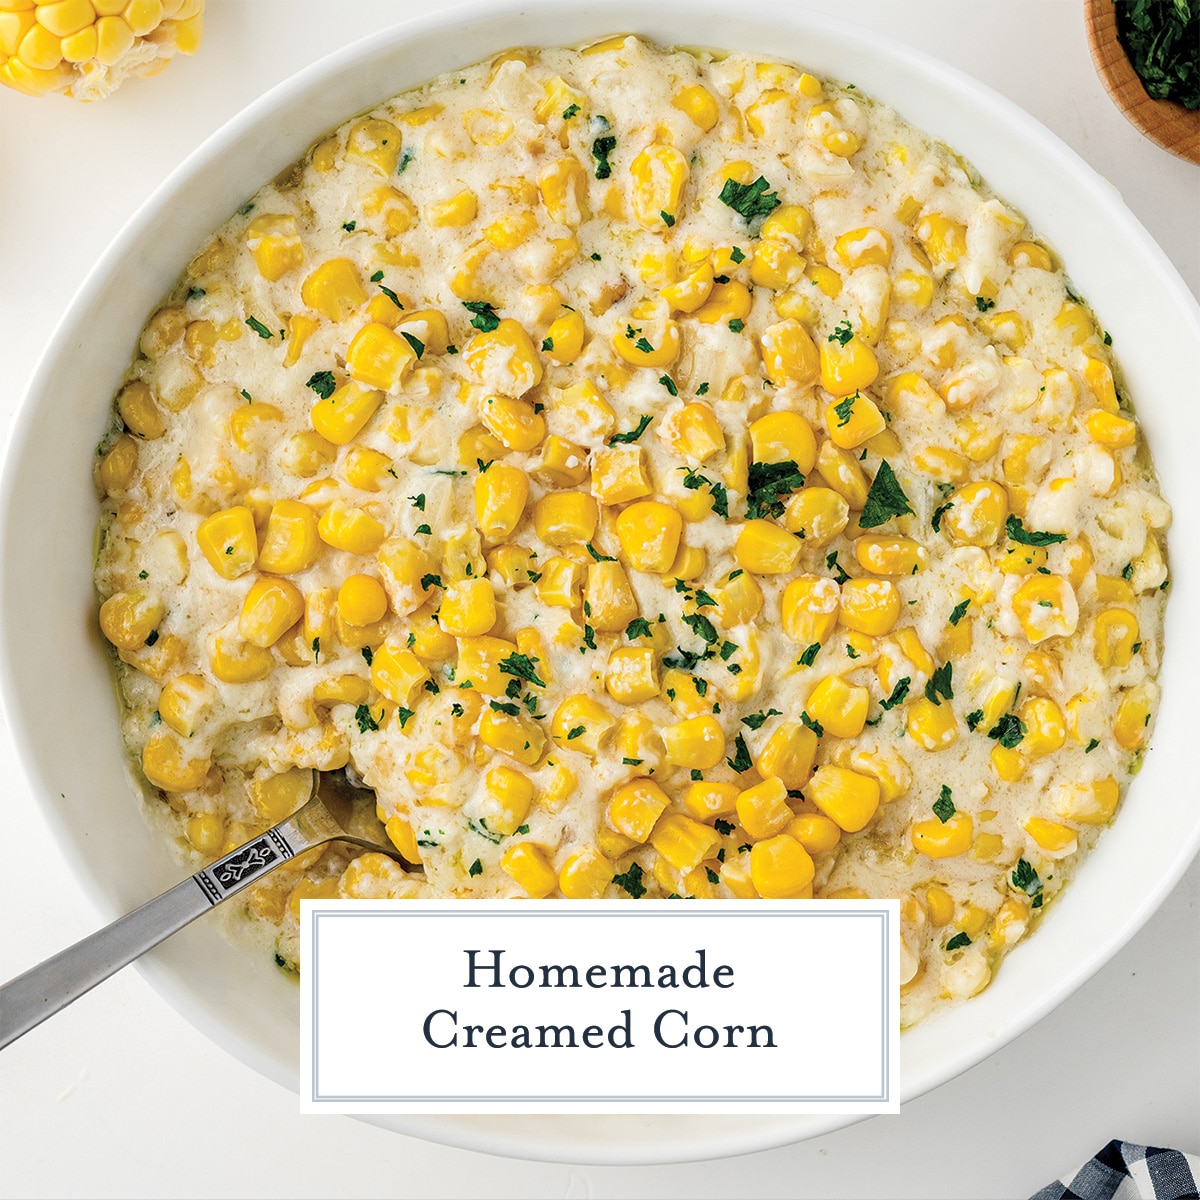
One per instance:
(45, 989)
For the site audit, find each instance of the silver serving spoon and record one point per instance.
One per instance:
(45, 989)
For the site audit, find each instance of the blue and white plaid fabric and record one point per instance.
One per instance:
(1125, 1171)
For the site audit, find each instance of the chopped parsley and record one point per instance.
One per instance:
(576, 731)
(669, 384)
(1091, 745)
(1031, 537)
(547, 345)
(983, 304)
(943, 806)
(845, 410)
(631, 435)
(810, 655)
(366, 722)
(958, 941)
(633, 762)
(405, 714)
(416, 343)
(476, 868)
(638, 627)
(741, 760)
(423, 529)
(768, 484)
(1025, 879)
(431, 580)
(737, 325)
(737, 255)
(842, 333)
(484, 318)
(974, 718)
(522, 666)
(1160, 37)
(959, 611)
(597, 555)
(480, 827)
(668, 218)
(832, 564)
(1008, 731)
(898, 693)
(631, 881)
(885, 500)
(939, 513)
(349, 226)
(418, 502)
(758, 719)
(940, 684)
(749, 200)
(720, 495)
(367, 654)
(258, 327)
(570, 111)
(728, 650)
(809, 723)
(702, 390)
(702, 627)
(602, 147)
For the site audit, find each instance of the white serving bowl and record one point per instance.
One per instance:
(57, 689)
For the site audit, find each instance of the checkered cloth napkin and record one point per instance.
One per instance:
(1124, 1171)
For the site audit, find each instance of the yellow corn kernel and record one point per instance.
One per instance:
(976, 514)
(944, 240)
(184, 702)
(528, 866)
(648, 532)
(631, 676)
(167, 765)
(516, 423)
(509, 798)
(402, 835)
(306, 454)
(853, 421)
(206, 832)
(765, 549)
(694, 432)
(940, 905)
(1115, 632)
(890, 555)
(585, 875)
(826, 280)
(789, 355)
(563, 186)
(404, 567)
(727, 302)
(1045, 605)
(659, 174)
(775, 264)
(229, 541)
(782, 437)
(788, 754)
(706, 800)
(511, 230)
(453, 212)
(468, 608)
(342, 417)
(809, 609)
(762, 810)
(848, 798)
(1133, 718)
(334, 289)
(948, 839)
(1045, 728)
(586, 409)
(684, 843)
(1087, 803)
(239, 662)
(479, 661)
(841, 471)
(1030, 254)
(504, 359)
(635, 808)
(913, 287)
(1019, 559)
(128, 618)
(698, 103)
(690, 293)
(562, 518)
(581, 723)
(780, 868)
(362, 600)
(379, 358)
(839, 707)
(1098, 376)
(375, 144)
(739, 600)
(564, 338)
(501, 493)
(562, 464)
(1109, 429)
(870, 606)
(118, 467)
(608, 600)
(271, 608)
(1055, 839)
(345, 527)
(825, 124)
(291, 543)
(648, 346)
(619, 474)
(864, 247)
(138, 412)
(817, 514)
(397, 674)
(932, 726)
(847, 367)
(247, 425)
(1075, 321)
(342, 689)
(366, 469)
(816, 833)
(561, 583)
(697, 743)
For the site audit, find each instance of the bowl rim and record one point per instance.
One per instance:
(279, 99)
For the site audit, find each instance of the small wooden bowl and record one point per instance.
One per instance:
(1170, 125)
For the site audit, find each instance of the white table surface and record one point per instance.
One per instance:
(118, 1096)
